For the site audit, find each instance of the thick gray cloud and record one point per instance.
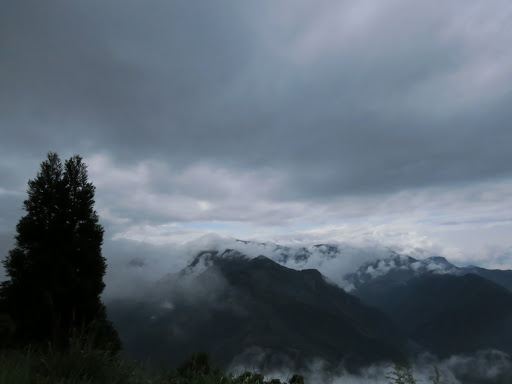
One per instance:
(265, 118)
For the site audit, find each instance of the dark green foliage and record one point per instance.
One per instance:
(297, 379)
(401, 374)
(56, 268)
(80, 363)
(436, 377)
(7, 328)
(250, 378)
(198, 368)
(197, 364)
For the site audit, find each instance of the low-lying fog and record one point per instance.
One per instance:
(483, 367)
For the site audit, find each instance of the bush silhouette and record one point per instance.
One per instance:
(197, 364)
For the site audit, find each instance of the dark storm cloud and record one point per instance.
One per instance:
(255, 119)
(120, 77)
(364, 108)
(61, 83)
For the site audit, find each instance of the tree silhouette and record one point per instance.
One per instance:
(56, 268)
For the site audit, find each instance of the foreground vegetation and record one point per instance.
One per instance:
(82, 363)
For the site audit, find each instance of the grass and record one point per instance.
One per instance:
(82, 364)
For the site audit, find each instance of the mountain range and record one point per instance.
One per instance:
(398, 269)
(259, 311)
(240, 309)
(371, 263)
(444, 308)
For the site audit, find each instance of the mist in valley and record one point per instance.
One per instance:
(166, 279)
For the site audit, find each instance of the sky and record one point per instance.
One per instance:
(378, 122)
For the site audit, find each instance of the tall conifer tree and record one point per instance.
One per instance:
(56, 268)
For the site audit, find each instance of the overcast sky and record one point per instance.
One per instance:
(379, 121)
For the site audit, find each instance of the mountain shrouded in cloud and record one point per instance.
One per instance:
(393, 271)
(447, 309)
(348, 266)
(230, 305)
(250, 311)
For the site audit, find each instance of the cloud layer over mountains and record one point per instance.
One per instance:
(144, 264)
(137, 264)
(205, 289)
(286, 121)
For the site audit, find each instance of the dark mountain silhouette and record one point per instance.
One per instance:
(397, 268)
(444, 308)
(373, 281)
(237, 308)
(448, 314)
(228, 305)
(498, 276)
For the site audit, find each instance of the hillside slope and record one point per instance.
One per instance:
(231, 306)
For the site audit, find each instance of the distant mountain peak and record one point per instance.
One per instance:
(334, 259)
(326, 248)
(396, 270)
(438, 260)
(400, 268)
